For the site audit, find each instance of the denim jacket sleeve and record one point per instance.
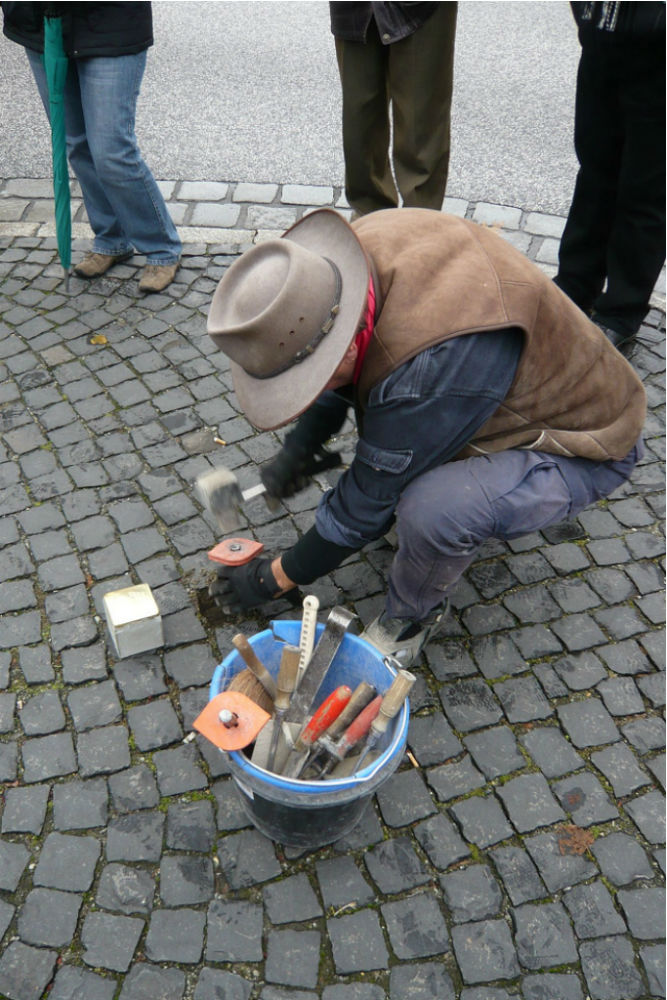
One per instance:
(419, 417)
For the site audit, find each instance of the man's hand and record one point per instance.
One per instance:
(241, 587)
(292, 468)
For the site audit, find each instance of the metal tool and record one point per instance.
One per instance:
(231, 720)
(219, 492)
(311, 606)
(289, 665)
(305, 697)
(353, 735)
(255, 665)
(319, 722)
(391, 703)
(361, 696)
(260, 750)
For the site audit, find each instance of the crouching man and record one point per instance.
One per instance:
(487, 404)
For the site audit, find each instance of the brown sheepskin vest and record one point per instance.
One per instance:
(438, 276)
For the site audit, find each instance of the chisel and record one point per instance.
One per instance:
(352, 735)
(320, 721)
(391, 703)
(362, 694)
(289, 665)
(255, 680)
(301, 704)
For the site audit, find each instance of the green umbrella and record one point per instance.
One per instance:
(55, 66)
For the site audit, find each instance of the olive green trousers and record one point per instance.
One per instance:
(414, 76)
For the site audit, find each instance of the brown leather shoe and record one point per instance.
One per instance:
(155, 277)
(95, 264)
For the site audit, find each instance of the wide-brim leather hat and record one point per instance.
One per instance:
(285, 313)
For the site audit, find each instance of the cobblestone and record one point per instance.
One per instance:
(128, 867)
(621, 769)
(357, 943)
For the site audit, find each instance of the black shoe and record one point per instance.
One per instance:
(623, 342)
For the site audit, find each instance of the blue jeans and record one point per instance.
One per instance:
(444, 516)
(123, 202)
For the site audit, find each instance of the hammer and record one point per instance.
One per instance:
(219, 492)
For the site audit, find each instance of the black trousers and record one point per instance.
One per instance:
(615, 231)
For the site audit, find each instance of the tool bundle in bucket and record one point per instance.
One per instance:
(305, 735)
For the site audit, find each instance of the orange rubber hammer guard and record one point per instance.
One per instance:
(231, 720)
(235, 551)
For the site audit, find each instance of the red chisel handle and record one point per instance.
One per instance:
(352, 735)
(391, 704)
(327, 713)
(359, 728)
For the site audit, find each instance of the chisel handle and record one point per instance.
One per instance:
(359, 728)
(392, 700)
(254, 664)
(352, 735)
(289, 665)
(327, 713)
(362, 694)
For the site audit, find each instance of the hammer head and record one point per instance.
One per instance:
(219, 492)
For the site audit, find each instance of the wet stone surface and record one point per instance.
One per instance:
(518, 850)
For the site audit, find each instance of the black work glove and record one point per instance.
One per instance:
(240, 587)
(292, 468)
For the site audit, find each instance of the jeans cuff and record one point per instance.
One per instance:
(163, 261)
(114, 251)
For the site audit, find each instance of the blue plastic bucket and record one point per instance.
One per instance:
(309, 814)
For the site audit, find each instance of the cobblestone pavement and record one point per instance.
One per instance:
(519, 849)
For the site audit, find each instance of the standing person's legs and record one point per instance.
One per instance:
(109, 238)
(636, 247)
(109, 91)
(445, 515)
(421, 74)
(369, 184)
(598, 143)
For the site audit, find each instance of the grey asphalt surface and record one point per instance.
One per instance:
(250, 91)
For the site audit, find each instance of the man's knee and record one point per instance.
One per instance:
(445, 510)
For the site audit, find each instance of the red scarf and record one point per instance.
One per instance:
(363, 338)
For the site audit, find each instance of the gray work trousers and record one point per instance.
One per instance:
(446, 515)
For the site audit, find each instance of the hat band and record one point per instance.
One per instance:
(306, 351)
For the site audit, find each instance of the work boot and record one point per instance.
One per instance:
(94, 264)
(402, 638)
(156, 277)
